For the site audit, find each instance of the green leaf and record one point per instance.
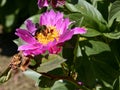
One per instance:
(52, 62)
(5, 76)
(106, 66)
(107, 86)
(112, 35)
(33, 75)
(59, 86)
(41, 81)
(86, 9)
(75, 16)
(114, 12)
(91, 33)
(85, 70)
(116, 84)
(104, 71)
(19, 42)
(46, 82)
(2, 3)
(96, 47)
(10, 20)
(77, 51)
(81, 20)
(62, 85)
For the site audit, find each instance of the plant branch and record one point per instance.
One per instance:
(56, 77)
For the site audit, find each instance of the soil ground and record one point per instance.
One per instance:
(18, 81)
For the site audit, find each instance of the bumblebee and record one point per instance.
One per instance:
(40, 29)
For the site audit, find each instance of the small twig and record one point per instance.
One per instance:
(56, 77)
(5, 72)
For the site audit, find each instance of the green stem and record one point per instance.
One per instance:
(5, 72)
(75, 50)
(77, 43)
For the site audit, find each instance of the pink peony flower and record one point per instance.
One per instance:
(49, 35)
(53, 3)
(42, 3)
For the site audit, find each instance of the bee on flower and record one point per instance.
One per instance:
(48, 35)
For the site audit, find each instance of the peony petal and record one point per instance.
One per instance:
(79, 30)
(32, 49)
(50, 18)
(44, 19)
(47, 18)
(69, 33)
(33, 52)
(55, 49)
(30, 26)
(42, 3)
(59, 16)
(62, 25)
(66, 36)
(25, 35)
(30, 46)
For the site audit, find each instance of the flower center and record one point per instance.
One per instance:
(47, 34)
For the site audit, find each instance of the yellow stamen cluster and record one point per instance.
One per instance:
(47, 35)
